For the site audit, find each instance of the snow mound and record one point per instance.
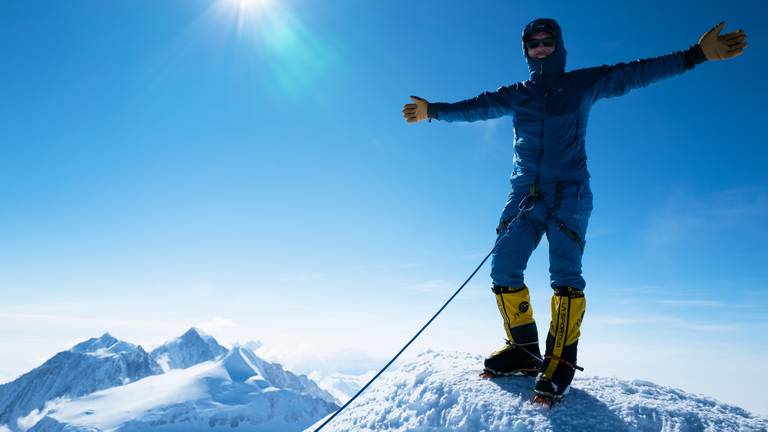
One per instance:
(441, 391)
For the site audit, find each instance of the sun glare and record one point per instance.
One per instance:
(243, 4)
(247, 13)
(268, 32)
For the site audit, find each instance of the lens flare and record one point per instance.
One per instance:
(271, 35)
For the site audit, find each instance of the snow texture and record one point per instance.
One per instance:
(441, 391)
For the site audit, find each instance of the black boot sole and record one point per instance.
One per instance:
(490, 373)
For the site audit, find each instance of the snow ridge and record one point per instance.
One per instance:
(279, 377)
(189, 349)
(441, 391)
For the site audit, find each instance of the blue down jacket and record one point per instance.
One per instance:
(551, 108)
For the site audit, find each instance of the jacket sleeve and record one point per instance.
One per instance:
(488, 105)
(620, 78)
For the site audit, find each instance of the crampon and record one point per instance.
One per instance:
(545, 401)
(489, 374)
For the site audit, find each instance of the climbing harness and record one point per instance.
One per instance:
(529, 202)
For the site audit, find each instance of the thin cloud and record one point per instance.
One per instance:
(701, 303)
(613, 289)
(473, 256)
(668, 322)
(488, 128)
(613, 320)
(216, 325)
(429, 287)
(382, 267)
(309, 357)
(747, 299)
(683, 214)
(303, 278)
(601, 231)
(68, 320)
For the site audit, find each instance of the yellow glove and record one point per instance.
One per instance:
(417, 111)
(717, 47)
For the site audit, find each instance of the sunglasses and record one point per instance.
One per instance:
(547, 42)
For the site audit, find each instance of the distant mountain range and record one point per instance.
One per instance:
(189, 383)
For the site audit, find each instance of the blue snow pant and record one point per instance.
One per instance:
(559, 209)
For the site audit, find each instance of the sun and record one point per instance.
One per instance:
(249, 6)
(247, 13)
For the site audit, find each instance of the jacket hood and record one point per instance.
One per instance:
(553, 65)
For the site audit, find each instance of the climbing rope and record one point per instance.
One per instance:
(410, 341)
(524, 206)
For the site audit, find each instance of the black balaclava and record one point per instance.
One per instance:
(554, 64)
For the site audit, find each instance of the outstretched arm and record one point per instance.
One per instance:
(618, 79)
(486, 106)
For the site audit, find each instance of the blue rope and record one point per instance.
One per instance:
(412, 339)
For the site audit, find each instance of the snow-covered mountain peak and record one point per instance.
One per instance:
(441, 391)
(189, 349)
(106, 345)
(192, 335)
(195, 334)
(95, 364)
(94, 344)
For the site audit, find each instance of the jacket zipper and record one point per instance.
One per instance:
(538, 159)
(535, 186)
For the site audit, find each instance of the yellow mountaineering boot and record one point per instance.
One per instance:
(521, 355)
(556, 373)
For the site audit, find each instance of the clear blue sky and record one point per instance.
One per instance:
(170, 163)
